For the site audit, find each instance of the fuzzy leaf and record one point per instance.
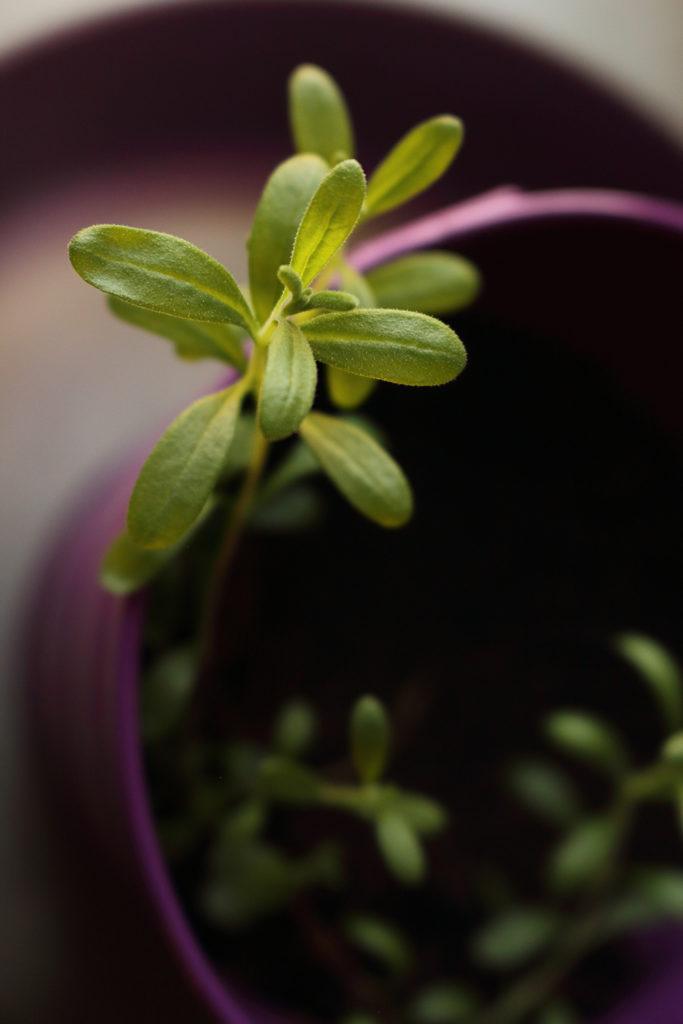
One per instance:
(318, 114)
(379, 939)
(388, 344)
(365, 474)
(400, 848)
(428, 282)
(329, 219)
(295, 728)
(370, 735)
(192, 339)
(659, 671)
(443, 1002)
(179, 474)
(514, 937)
(546, 791)
(285, 198)
(348, 390)
(583, 855)
(415, 163)
(589, 739)
(288, 383)
(160, 272)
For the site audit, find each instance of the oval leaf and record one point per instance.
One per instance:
(289, 382)
(318, 114)
(514, 937)
(401, 848)
(126, 567)
(177, 478)
(295, 728)
(388, 344)
(589, 739)
(329, 219)
(348, 390)
(370, 734)
(160, 272)
(415, 163)
(192, 339)
(546, 791)
(366, 475)
(285, 198)
(427, 282)
(584, 855)
(659, 671)
(379, 939)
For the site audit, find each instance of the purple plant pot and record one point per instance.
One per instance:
(135, 956)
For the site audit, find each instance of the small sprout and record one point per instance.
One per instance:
(401, 848)
(380, 940)
(546, 791)
(584, 855)
(515, 937)
(672, 749)
(332, 300)
(166, 691)
(295, 729)
(589, 739)
(288, 781)
(370, 737)
(443, 1002)
(659, 671)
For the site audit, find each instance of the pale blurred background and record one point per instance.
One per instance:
(55, 437)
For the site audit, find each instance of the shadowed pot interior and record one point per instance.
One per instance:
(601, 289)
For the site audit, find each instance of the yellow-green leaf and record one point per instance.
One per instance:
(659, 671)
(329, 219)
(365, 474)
(179, 474)
(370, 734)
(160, 272)
(348, 390)
(285, 198)
(388, 344)
(428, 282)
(288, 382)
(588, 738)
(415, 163)
(192, 339)
(401, 848)
(318, 114)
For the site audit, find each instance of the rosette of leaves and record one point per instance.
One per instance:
(305, 305)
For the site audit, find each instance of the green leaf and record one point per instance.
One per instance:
(415, 163)
(126, 567)
(659, 671)
(165, 692)
(285, 198)
(357, 284)
(546, 791)
(426, 816)
(515, 937)
(286, 780)
(348, 390)
(558, 1012)
(160, 272)
(298, 464)
(428, 282)
(388, 344)
(245, 822)
(177, 478)
(294, 511)
(329, 219)
(318, 115)
(379, 939)
(672, 749)
(589, 739)
(401, 849)
(289, 382)
(333, 300)
(192, 340)
(661, 888)
(584, 855)
(295, 728)
(443, 1002)
(364, 473)
(370, 737)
